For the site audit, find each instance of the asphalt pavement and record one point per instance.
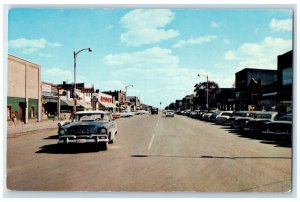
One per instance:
(152, 153)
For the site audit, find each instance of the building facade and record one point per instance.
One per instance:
(50, 100)
(23, 89)
(285, 81)
(247, 84)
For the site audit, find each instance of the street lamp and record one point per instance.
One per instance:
(126, 91)
(74, 93)
(206, 88)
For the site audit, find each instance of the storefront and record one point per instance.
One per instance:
(23, 90)
(106, 102)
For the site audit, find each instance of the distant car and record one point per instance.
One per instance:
(154, 110)
(89, 127)
(170, 113)
(126, 114)
(256, 125)
(116, 115)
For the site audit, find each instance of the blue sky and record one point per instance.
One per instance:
(158, 51)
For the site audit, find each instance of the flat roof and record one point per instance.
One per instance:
(23, 59)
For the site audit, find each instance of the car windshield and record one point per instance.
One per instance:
(263, 116)
(90, 117)
(240, 114)
(284, 117)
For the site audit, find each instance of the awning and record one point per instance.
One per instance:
(69, 103)
(269, 94)
(84, 104)
(108, 105)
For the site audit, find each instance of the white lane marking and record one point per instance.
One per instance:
(152, 138)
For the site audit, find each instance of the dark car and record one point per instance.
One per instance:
(256, 125)
(89, 127)
(281, 127)
(154, 110)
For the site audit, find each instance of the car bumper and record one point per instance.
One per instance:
(72, 139)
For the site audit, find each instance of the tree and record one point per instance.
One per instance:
(200, 91)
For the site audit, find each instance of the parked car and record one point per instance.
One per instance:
(207, 115)
(214, 115)
(116, 115)
(170, 113)
(281, 127)
(223, 117)
(126, 114)
(240, 122)
(256, 125)
(235, 115)
(89, 127)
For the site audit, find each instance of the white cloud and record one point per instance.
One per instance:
(30, 46)
(281, 25)
(214, 24)
(57, 75)
(230, 55)
(146, 26)
(259, 55)
(195, 41)
(155, 56)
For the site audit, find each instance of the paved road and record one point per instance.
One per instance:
(152, 153)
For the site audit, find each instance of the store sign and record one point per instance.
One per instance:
(46, 88)
(105, 99)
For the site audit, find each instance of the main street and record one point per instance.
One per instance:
(151, 153)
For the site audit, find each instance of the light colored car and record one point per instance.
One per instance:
(126, 114)
(170, 113)
(223, 117)
(89, 127)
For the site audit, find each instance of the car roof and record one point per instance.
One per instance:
(267, 112)
(92, 112)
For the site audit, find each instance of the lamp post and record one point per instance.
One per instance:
(206, 88)
(126, 91)
(74, 93)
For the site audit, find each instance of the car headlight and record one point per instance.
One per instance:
(102, 131)
(62, 132)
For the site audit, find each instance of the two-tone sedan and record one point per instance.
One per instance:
(89, 127)
(255, 126)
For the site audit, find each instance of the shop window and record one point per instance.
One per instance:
(9, 113)
(32, 115)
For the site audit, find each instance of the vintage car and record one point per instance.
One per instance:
(170, 113)
(223, 117)
(239, 118)
(89, 127)
(281, 127)
(256, 125)
(154, 110)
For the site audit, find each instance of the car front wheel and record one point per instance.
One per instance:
(104, 146)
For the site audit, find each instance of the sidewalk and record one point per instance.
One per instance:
(31, 126)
